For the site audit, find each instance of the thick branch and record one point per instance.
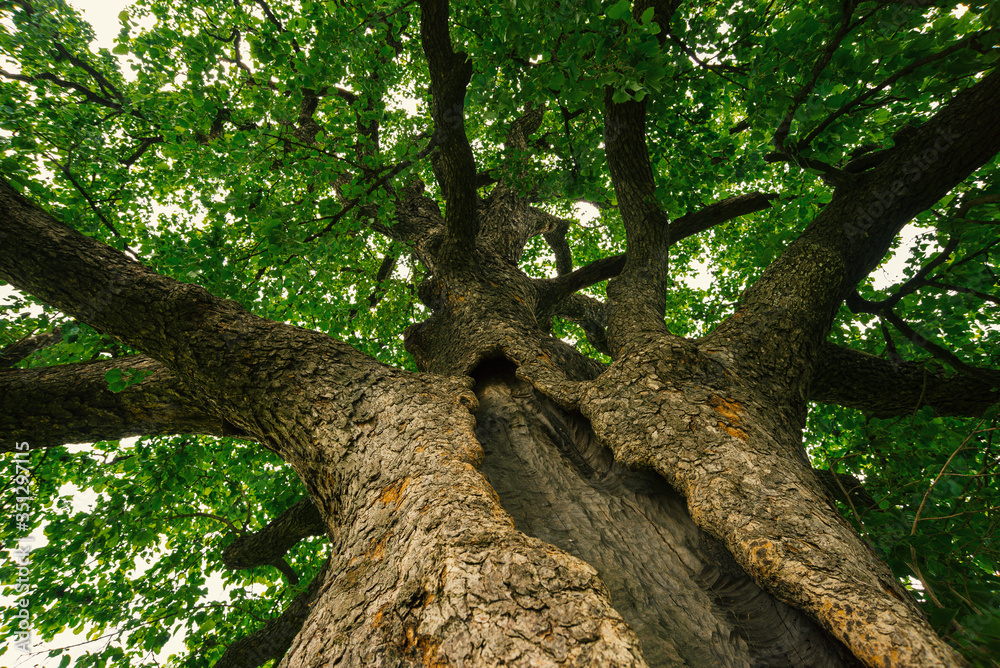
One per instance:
(231, 360)
(453, 161)
(786, 314)
(181, 325)
(640, 290)
(591, 315)
(551, 291)
(636, 299)
(858, 380)
(71, 403)
(718, 213)
(556, 239)
(939, 155)
(270, 544)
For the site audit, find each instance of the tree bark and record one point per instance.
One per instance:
(679, 590)
(427, 566)
(72, 403)
(885, 389)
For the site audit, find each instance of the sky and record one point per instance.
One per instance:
(103, 16)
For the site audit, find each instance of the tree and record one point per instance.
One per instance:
(387, 370)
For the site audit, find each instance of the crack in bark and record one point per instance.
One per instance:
(688, 601)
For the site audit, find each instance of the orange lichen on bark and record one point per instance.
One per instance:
(730, 410)
(378, 552)
(394, 492)
(733, 431)
(425, 645)
(377, 618)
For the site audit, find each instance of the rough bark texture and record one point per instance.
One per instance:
(72, 404)
(272, 542)
(273, 640)
(747, 482)
(884, 389)
(684, 596)
(427, 565)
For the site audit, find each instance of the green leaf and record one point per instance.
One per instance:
(619, 9)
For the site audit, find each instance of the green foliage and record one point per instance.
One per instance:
(134, 568)
(935, 522)
(186, 144)
(119, 379)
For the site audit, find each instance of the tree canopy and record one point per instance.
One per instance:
(325, 164)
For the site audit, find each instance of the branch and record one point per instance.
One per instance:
(554, 289)
(969, 291)
(63, 83)
(102, 287)
(506, 222)
(854, 379)
(224, 355)
(102, 81)
(637, 298)
(384, 272)
(273, 640)
(888, 81)
(93, 205)
(270, 544)
(556, 239)
(144, 146)
(718, 213)
(918, 280)
(418, 222)
(846, 26)
(786, 314)
(846, 489)
(20, 350)
(591, 315)
(988, 376)
(453, 161)
(390, 172)
(71, 403)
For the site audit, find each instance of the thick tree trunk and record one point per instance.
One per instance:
(682, 593)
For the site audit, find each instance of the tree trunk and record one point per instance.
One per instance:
(685, 597)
